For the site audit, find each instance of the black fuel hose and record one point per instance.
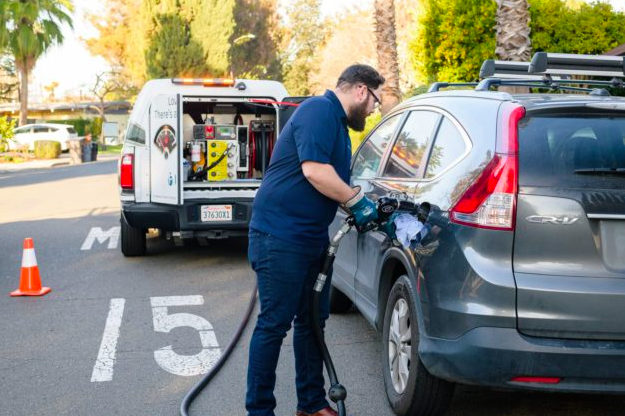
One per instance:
(192, 394)
(337, 392)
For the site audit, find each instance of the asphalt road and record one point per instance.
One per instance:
(50, 347)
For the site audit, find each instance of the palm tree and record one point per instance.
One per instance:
(386, 42)
(27, 29)
(513, 30)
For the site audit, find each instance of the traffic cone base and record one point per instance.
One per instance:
(30, 282)
(43, 291)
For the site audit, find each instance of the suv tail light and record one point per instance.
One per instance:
(490, 202)
(126, 172)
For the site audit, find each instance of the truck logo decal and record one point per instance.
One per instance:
(547, 219)
(165, 140)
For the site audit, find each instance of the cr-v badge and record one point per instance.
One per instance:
(546, 219)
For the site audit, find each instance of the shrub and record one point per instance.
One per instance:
(6, 132)
(47, 149)
(357, 137)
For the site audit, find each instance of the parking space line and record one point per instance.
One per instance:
(103, 368)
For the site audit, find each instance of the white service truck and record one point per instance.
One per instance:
(195, 152)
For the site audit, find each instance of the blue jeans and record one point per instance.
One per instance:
(286, 273)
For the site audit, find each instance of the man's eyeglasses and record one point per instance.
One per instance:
(377, 102)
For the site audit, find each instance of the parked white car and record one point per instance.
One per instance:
(29, 133)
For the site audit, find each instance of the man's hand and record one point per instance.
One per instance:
(362, 208)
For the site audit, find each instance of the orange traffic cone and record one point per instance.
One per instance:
(30, 282)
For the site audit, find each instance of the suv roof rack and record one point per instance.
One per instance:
(549, 71)
(509, 70)
(436, 86)
(573, 64)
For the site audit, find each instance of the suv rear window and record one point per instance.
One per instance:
(71, 130)
(565, 150)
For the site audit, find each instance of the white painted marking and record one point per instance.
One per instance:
(170, 361)
(28, 258)
(103, 368)
(96, 233)
(165, 301)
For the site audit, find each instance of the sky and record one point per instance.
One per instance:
(74, 68)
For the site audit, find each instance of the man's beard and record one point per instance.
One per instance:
(356, 116)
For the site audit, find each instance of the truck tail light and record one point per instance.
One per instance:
(490, 202)
(126, 172)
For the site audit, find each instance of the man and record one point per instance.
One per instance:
(305, 182)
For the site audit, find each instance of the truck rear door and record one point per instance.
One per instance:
(165, 138)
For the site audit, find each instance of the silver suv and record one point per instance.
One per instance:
(521, 281)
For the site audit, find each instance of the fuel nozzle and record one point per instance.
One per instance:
(386, 207)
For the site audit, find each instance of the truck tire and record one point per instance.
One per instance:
(417, 393)
(133, 239)
(339, 302)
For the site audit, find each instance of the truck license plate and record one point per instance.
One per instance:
(216, 213)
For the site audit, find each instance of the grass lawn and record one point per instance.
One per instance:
(110, 149)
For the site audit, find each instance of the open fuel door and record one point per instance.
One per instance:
(165, 138)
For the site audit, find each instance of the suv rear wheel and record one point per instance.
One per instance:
(410, 389)
(133, 239)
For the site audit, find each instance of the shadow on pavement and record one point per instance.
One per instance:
(38, 176)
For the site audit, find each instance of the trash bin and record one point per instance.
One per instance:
(94, 152)
(86, 151)
(75, 151)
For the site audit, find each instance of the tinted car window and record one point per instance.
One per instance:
(40, 129)
(370, 154)
(22, 130)
(448, 148)
(135, 134)
(410, 146)
(561, 150)
(71, 130)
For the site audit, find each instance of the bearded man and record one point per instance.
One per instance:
(307, 179)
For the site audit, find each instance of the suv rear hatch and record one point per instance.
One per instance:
(569, 245)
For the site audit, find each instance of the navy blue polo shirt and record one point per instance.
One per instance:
(286, 204)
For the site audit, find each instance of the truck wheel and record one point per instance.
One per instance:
(133, 239)
(411, 390)
(339, 302)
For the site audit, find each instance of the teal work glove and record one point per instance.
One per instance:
(362, 208)
(388, 227)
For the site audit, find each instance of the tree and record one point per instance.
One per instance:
(453, 38)
(513, 31)
(587, 28)
(304, 36)
(349, 40)
(9, 83)
(257, 27)
(386, 45)
(162, 38)
(513, 35)
(29, 28)
(171, 51)
(106, 85)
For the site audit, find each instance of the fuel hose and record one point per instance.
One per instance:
(192, 394)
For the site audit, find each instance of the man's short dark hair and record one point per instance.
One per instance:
(359, 73)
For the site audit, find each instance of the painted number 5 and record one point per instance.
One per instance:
(184, 365)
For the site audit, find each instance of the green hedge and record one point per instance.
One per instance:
(47, 149)
(84, 125)
(454, 37)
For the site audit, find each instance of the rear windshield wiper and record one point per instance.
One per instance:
(617, 171)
